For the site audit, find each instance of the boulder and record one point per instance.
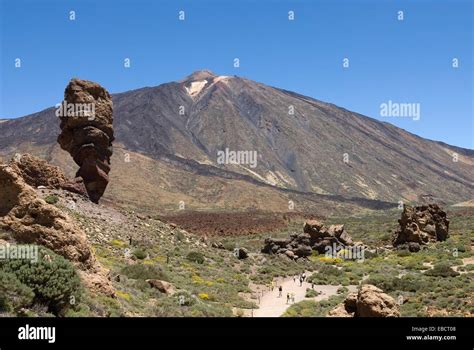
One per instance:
(339, 311)
(373, 302)
(88, 137)
(303, 250)
(272, 245)
(241, 253)
(345, 238)
(414, 247)
(370, 301)
(422, 224)
(336, 230)
(290, 254)
(218, 245)
(315, 229)
(350, 303)
(163, 286)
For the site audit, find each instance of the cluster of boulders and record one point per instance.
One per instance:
(421, 225)
(88, 136)
(30, 220)
(370, 301)
(316, 236)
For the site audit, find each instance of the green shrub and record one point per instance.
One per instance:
(139, 254)
(52, 278)
(442, 270)
(229, 246)
(328, 274)
(143, 272)
(384, 282)
(14, 295)
(311, 293)
(180, 236)
(196, 257)
(403, 253)
(51, 199)
(342, 290)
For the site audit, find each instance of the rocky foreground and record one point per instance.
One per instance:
(30, 220)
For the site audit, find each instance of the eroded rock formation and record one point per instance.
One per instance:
(30, 220)
(37, 172)
(421, 225)
(315, 236)
(370, 301)
(87, 133)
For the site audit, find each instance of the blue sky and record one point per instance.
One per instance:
(403, 61)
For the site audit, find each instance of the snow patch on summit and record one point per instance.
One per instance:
(196, 87)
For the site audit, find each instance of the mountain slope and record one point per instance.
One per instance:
(203, 114)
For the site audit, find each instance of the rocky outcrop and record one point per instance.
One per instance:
(30, 220)
(421, 225)
(37, 172)
(315, 236)
(87, 133)
(370, 301)
(373, 302)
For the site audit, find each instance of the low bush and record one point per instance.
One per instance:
(139, 254)
(52, 278)
(14, 295)
(442, 270)
(196, 257)
(311, 293)
(144, 272)
(51, 199)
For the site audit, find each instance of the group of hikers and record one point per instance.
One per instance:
(290, 297)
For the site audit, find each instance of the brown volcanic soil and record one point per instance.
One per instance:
(232, 224)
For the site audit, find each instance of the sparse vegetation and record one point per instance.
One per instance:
(196, 257)
(143, 272)
(210, 281)
(139, 254)
(51, 199)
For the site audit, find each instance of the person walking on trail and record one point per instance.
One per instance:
(301, 281)
(303, 276)
(287, 298)
(280, 290)
(312, 285)
(273, 285)
(292, 298)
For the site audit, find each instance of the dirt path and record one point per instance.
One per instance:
(271, 305)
